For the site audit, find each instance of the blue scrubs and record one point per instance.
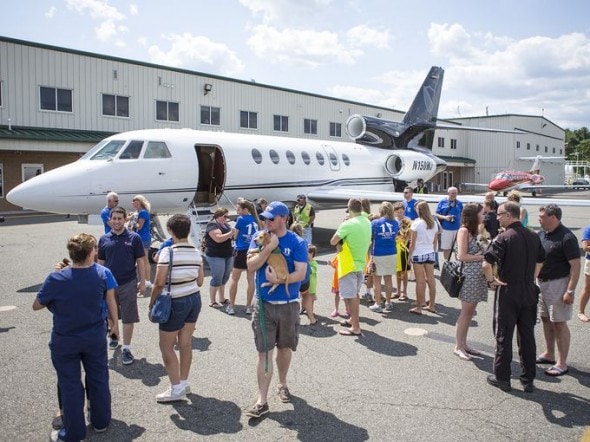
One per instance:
(75, 297)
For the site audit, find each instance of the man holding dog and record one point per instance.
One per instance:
(275, 321)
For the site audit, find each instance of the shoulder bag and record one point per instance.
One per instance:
(451, 275)
(160, 312)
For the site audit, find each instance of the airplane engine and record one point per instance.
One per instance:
(373, 131)
(409, 165)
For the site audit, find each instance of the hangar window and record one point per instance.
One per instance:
(546, 149)
(305, 157)
(132, 150)
(31, 170)
(156, 149)
(310, 126)
(320, 158)
(115, 105)
(280, 123)
(274, 156)
(1, 180)
(537, 148)
(256, 156)
(518, 144)
(441, 142)
(167, 111)
(528, 146)
(248, 120)
(345, 159)
(336, 130)
(290, 157)
(554, 150)
(210, 115)
(55, 99)
(1, 93)
(453, 143)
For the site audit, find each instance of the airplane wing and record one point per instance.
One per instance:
(339, 195)
(456, 126)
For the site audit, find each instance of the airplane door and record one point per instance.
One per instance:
(212, 175)
(332, 155)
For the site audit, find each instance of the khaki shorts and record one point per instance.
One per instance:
(126, 297)
(446, 239)
(350, 285)
(385, 265)
(281, 323)
(551, 303)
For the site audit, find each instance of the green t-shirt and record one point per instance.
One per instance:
(313, 278)
(357, 233)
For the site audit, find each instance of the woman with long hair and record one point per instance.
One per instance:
(185, 279)
(474, 287)
(219, 253)
(75, 295)
(423, 246)
(143, 225)
(247, 224)
(515, 196)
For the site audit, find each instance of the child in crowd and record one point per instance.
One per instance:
(402, 241)
(336, 287)
(308, 296)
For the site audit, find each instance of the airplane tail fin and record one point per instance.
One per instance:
(424, 108)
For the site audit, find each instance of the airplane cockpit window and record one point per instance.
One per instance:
(320, 158)
(290, 157)
(333, 159)
(305, 157)
(156, 149)
(132, 150)
(105, 150)
(274, 156)
(256, 156)
(345, 159)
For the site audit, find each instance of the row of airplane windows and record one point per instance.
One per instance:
(305, 157)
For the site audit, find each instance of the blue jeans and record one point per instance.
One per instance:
(220, 269)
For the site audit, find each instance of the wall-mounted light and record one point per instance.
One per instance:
(207, 88)
(379, 115)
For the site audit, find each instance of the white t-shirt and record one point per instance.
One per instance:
(424, 237)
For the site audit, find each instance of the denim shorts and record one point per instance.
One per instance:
(184, 310)
(428, 258)
(220, 269)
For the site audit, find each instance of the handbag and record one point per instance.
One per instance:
(451, 276)
(160, 312)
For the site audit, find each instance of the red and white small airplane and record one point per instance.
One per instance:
(532, 180)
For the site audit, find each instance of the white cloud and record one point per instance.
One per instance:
(51, 12)
(363, 35)
(100, 10)
(197, 52)
(302, 47)
(280, 12)
(133, 9)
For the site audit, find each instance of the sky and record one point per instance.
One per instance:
(528, 57)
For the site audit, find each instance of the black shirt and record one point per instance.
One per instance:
(215, 249)
(560, 246)
(491, 224)
(516, 251)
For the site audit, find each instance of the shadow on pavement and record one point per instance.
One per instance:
(206, 416)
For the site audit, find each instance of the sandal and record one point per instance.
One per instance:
(215, 305)
(403, 297)
(416, 311)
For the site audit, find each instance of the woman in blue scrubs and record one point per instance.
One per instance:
(75, 297)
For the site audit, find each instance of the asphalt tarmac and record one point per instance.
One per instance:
(399, 381)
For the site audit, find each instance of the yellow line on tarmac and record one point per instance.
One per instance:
(586, 435)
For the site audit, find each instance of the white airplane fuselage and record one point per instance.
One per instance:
(249, 166)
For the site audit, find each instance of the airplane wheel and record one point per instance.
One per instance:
(534, 193)
(505, 193)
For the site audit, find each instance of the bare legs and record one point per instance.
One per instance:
(556, 334)
(283, 362)
(584, 300)
(462, 327)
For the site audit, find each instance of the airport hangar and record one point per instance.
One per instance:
(56, 103)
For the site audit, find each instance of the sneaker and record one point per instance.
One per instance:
(57, 422)
(528, 387)
(249, 310)
(388, 307)
(187, 387)
(148, 284)
(368, 297)
(54, 436)
(126, 357)
(230, 310)
(100, 430)
(257, 410)
(113, 344)
(170, 395)
(502, 385)
(284, 394)
(376, 308)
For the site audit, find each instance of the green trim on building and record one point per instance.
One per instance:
(46, 134)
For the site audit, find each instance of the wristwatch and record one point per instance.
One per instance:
(570, 292)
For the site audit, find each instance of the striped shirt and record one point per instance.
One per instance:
(186, 260)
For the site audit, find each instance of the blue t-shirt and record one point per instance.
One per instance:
(446, 207)
(166, 243)
(119, 253)
(410, 209)
(294, 249)
(76, 299)
(144, 232)
(383, 233)
(586, 237)
(246, 226)
(105, 215)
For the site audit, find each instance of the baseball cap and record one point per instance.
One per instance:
(276, 208)
(301, 196)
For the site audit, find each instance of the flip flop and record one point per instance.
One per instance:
(349, 332)
(345, 323)
(461, 355)
(403, 298)
(556, 371)
(582, 317)
(415, 311)
(544, 360)
(473, 351)
(215, 305)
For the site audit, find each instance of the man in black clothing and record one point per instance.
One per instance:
(519, 254)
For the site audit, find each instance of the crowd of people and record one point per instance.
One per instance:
(526, 270)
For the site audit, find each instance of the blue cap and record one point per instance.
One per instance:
(276, 208)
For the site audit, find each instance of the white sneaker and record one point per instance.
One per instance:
(187, 387)
(376, 308)
(148, 285)
(249, 310)
(171, 396)
(388, 307)
(230, 310)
